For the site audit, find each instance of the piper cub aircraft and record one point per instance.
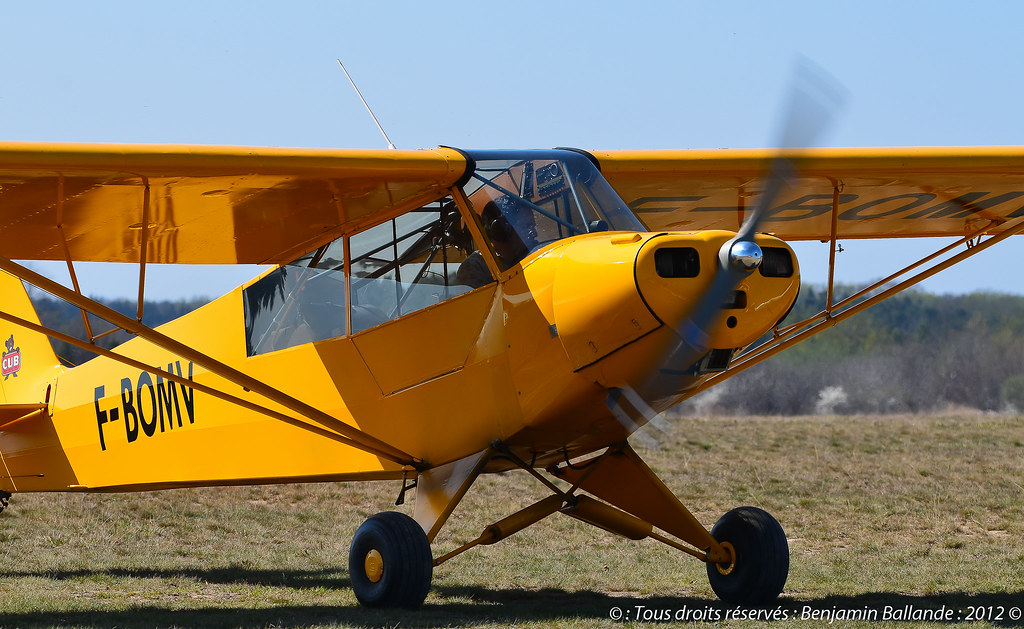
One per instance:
(434, 315)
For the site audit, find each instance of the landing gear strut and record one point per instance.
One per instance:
(746, 553)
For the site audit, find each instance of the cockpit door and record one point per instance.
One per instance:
(427, 344)
(417, 298)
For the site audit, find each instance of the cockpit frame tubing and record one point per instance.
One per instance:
(346, 253)
(569, 183)
(533, 206)
(473, 224)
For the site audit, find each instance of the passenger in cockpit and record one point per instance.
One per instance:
(473, 271)
(504, 231)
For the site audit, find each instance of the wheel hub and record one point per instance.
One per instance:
(725, 568)
(373, 564)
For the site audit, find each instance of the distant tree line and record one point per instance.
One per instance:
(914, 352)
(67, 318)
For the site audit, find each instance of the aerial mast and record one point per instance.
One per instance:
(359, 94)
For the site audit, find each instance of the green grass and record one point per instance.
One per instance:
(880, 511)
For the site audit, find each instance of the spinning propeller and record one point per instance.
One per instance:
(814, 97)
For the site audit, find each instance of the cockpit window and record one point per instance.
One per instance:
(397, 267)
(407, 264)
(523, 200)
(300, 302)
(528, 199)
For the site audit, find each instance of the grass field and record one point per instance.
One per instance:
(881, 512)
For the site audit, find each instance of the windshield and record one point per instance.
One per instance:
(526, 199)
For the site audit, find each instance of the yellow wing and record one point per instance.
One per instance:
(878, 193)
(201, 204)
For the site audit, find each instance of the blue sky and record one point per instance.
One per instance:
(521, 74)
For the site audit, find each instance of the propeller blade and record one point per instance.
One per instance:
(813, 100)
(652, 418)
(814, 97)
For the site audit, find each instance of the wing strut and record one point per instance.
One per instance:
(142, 248)
(358, 438)
(67, 254)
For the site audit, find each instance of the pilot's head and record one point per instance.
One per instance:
(510, 229)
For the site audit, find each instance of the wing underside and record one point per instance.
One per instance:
(201, 205)
(871, 193)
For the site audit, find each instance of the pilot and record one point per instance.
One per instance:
(506, 239)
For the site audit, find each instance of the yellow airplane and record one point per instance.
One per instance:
(435, 315)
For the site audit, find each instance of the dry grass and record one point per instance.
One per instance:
(902, 510)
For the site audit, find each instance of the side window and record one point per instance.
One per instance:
(400, 266)
(300, 302)
(416, 260)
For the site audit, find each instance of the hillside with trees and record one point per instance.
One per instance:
(915, 352)
(67, 318)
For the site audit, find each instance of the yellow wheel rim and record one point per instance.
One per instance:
(374, 566)
(727, 567)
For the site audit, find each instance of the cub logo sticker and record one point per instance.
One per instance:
(10, 363)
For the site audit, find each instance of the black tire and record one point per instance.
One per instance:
(406, 563)
(759, 573)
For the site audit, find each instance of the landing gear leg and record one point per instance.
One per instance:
(746, 552)
(390, 562)
(759, 565)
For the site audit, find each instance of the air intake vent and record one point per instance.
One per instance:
(735, 300)
(677, 262)
(777, 262)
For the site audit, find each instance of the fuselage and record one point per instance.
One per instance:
(528, 358)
